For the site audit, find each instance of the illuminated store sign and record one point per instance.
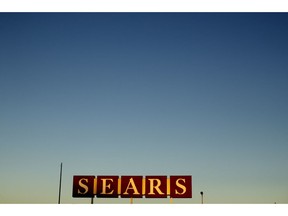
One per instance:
(133, 186)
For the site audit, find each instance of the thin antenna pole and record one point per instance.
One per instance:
(60, 184)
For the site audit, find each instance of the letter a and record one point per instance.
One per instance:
(133, 186)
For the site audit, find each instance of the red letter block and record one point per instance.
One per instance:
(156, 187)
(181, 186)
(131, 186)
(107, 186)
(83, 186)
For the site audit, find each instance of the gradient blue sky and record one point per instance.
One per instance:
(201, 94)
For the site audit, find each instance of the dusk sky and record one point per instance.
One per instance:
(201, 94)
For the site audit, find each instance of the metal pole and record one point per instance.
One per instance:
(59, 198)
(201, 197)
(92, 200)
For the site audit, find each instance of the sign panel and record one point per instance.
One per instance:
(156, 187)
(107, 186)
(179, 186)
(132, 186)
(83, 186)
